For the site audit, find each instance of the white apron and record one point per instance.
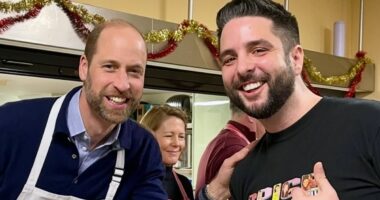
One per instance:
(31, 192)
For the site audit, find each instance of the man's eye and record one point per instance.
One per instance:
(108, 66)
(259, 51)
(228, 61)
(136, 71)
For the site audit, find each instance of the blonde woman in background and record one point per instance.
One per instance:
(168, 125)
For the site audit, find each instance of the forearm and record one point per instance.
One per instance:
(213, 192)
(217, 191)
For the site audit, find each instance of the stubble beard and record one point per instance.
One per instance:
(280, 89)
(97, 105)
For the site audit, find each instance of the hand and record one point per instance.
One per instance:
(218, 188)
(326, 191)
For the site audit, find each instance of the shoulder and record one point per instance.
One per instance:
(353, 108)
(136, 131)
(227, 139)
(351, 104)
(138, 140)
(25, 112)
(183, 178)
(186, 183)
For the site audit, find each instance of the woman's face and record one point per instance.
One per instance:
(171, 138)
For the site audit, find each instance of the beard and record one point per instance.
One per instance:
(97, 105)
(280, 89)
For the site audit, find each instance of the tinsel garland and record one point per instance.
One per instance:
(174, 37)
(23, 5)
(80, 11)
(170, 47)
(305, 78)
(5, 23)
(77, 22)
(353, 76)
(358, 77)
(79, 17)
(333, 80)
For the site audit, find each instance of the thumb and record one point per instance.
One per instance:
(320, 176)
(323, 184)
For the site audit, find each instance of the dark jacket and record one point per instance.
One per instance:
(21, 126)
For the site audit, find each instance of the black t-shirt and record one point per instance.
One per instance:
(172, 188)
(342, 133)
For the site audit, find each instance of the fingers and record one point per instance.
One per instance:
(298, 193)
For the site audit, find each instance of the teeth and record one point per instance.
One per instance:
(118, 99)
(252, 86)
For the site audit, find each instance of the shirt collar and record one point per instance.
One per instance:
(75, 121)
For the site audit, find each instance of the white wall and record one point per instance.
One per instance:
(210, 114)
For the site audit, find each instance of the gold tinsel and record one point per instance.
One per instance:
(82, 12)
(178, 34)
(24, 5)
(157, 36)
(334, 80)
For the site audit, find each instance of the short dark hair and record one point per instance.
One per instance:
(92, 39)
(285, 25)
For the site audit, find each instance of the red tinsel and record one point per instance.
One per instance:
(358, 77)
(172, 45)
(6, 23)
(211, 48)
(308, 84)
(77, 22)
(353, 84)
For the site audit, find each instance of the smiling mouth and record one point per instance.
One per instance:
(251, 86)
(117, 100)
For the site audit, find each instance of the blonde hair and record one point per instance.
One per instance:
(153, 119)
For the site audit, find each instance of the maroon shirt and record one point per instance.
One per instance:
(224, 145)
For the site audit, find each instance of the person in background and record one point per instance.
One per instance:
(238, 133)
(261, 62)
(168, 125)
(82, 145)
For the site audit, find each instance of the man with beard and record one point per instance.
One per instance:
(82, 145)
(261, 62)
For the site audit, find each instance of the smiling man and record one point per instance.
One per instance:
(82, 145)
(261, 62)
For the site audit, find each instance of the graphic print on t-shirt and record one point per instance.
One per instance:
(282, 191)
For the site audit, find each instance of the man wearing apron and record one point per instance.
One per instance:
(239, 132)
(82, 145)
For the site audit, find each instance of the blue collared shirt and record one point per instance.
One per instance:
(82, 140)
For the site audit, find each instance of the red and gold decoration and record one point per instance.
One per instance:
(80, 18)
(176, 36)
(353, 76)
(77, 14)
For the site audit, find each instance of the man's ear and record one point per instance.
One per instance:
(83, 67)
(296, 58)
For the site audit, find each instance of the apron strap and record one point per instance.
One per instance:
(44, 145)
(117, 175)
(179, 183)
